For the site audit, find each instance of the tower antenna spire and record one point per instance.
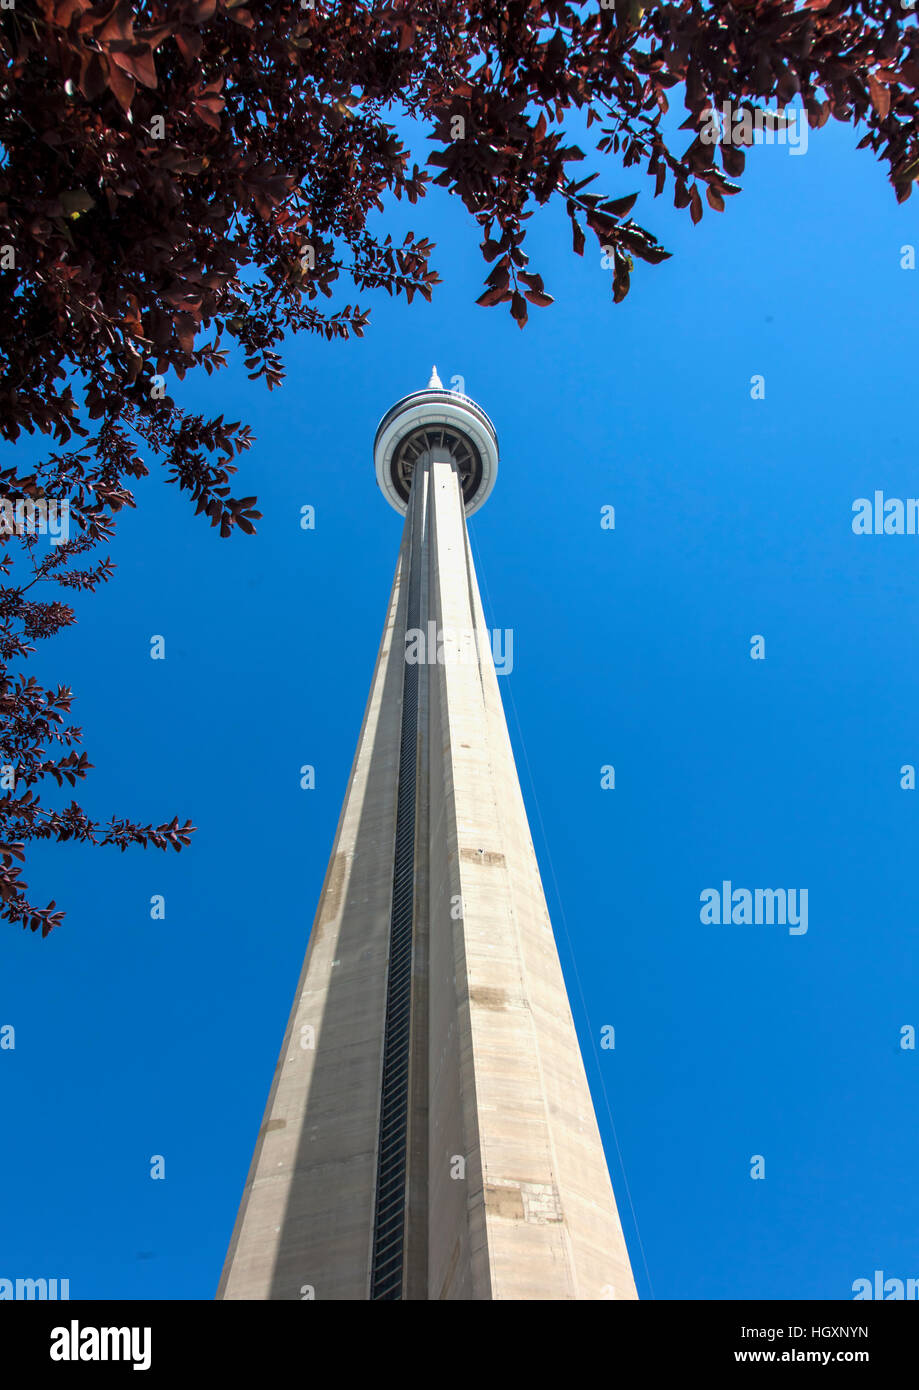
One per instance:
(435, 384)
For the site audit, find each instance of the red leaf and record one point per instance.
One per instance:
(189, 43)
(136, 59)
(205, 112)
(880, 97)
(492, 297)
(499, 277)
(93, 76)
(619, 207)
(122, 85)
(185, 332)
(154, 35)
(118, 25)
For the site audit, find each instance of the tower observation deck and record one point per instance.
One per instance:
(436, 418)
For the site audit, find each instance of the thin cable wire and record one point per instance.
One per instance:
(558, 897)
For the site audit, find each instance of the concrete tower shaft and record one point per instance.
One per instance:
(429, 1133)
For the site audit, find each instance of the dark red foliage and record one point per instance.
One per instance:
(34, 720)
(183, 178)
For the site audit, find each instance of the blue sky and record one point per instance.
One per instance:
(137, 1037)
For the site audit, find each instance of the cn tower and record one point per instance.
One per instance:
(429, 1133)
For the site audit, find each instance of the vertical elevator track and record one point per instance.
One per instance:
(389, 1219)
